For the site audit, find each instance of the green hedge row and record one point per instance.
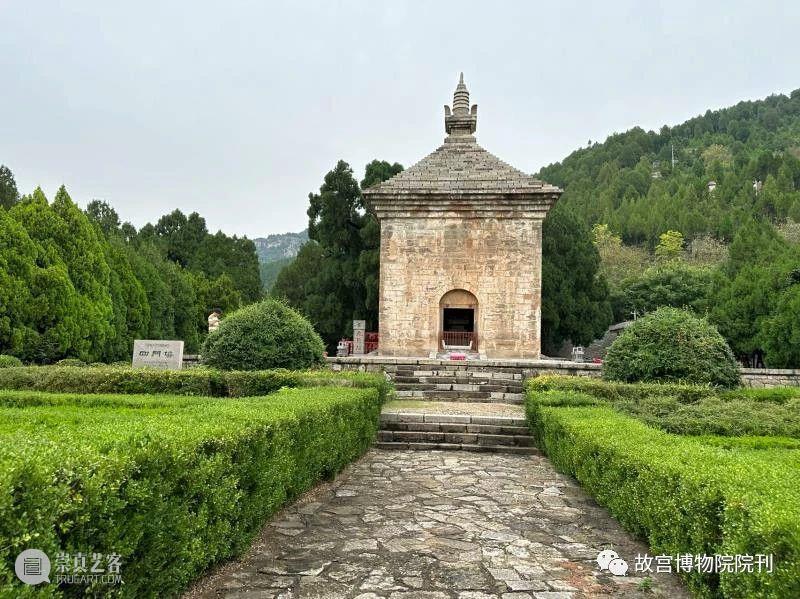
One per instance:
(192, 381)
(173, 484)
(682, 494)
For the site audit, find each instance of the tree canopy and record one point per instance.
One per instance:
(81, 284)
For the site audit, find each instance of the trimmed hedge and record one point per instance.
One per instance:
(192, 381)
(671, 345)
(173, 484)
(684, 495)
(267, 334)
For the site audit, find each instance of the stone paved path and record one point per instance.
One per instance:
(438, 525)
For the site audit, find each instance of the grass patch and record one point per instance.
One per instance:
(683, 409)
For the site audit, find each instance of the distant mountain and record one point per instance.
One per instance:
(279, 246)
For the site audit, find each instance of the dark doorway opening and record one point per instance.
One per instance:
(459, 320)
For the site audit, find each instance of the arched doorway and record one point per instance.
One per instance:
(458, 318)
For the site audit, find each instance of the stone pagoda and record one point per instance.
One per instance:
(461, 250)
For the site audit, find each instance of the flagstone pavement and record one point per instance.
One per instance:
(439, 525)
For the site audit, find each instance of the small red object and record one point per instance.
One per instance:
(456, 356)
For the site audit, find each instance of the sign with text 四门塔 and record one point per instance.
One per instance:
(159, 354)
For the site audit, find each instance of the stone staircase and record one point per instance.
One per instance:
(455, 432)
(458, 382)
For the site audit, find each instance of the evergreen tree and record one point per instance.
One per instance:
(575, 302)
(69, 248)
(8, 188)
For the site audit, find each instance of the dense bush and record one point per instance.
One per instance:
(192, 381)
(9, 361)
(683, 494)
(671, 345)
(172, 484)
(268, 334)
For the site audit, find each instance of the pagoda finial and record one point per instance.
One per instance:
(462, 121)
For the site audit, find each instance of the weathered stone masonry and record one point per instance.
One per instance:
(461, 224)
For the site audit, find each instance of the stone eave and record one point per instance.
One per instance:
(525, 204)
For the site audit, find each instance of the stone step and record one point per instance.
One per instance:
(515, 449)
(452, 427)
(456, 372)
(418, 417)
(464, 396)
(451, 386)
(455, 438)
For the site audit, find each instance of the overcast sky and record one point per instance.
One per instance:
(238, 109)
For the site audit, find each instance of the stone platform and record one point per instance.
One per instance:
(394, 366)
(484, 381)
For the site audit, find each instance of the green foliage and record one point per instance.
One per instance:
(334, 278)
(8, 188)
(683, 409)
(575, 302)
(42, 320)
(269, 272)
(130, 307)
(193, 381)
(82, 284)
(173, 485)
(7, 361)
(780, 334)
(268, 334)
(683, 494)
(754, 303)
(617, 262)
(629, 183)
(614, 391)
(671, 345)
(670, 245)
(71, 362)
(675, 284)
(235, 257)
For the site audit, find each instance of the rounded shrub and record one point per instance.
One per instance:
(71, 362)
(268, 334)
(671, 345)
(7, 361)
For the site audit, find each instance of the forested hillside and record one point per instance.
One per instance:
(714, 230)
(751, 152)
(81, 284)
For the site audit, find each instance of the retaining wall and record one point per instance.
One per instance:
(751, 377)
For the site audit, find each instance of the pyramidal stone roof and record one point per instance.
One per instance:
(460, 166)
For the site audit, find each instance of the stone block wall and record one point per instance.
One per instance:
(770, 377)
(522, 369)
(498, 260)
